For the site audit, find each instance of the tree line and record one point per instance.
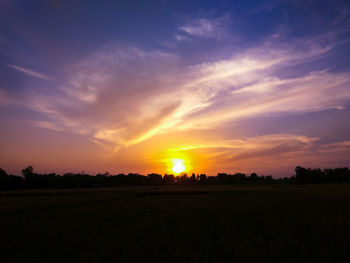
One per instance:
(33, 180)
(315, 176)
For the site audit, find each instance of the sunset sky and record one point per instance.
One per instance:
(126, 86)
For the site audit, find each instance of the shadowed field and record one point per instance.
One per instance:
(308, 223)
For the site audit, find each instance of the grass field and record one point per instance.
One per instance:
(308, 223)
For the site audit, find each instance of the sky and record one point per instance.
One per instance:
(126, 86)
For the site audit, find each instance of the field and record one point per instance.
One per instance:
(309, 223)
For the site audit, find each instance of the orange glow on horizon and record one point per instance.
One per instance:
(177, 163)
(178, 166)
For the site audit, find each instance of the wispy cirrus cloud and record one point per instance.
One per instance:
(251, 144)
(29, 72)
(250, 153)
(204, 27)
(273, 153)
(201, 28)
(112, 96)
(336, 147)
(122, 96)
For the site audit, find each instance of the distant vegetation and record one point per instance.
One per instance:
(33, 180)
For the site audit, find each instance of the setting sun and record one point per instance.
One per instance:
(178, 165)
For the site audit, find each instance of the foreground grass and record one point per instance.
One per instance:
(177, 224)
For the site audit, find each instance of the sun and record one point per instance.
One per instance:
(178, 165)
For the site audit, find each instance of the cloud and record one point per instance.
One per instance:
(120, 96)
(273, 153)
(260, 153)
(112, 96)
(179, 37)
(336, 147)
(204, 28)
(48, 125)
(29, 72)
(200, 28)
(273, 145)
(251, 143)
(314, 92)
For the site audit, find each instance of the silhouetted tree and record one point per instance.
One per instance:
(169, 179)
(192, 179)
(203, 178)
(4, 180)
(308, 176)
(31, 179)
(253, 178)
(3, 173)
(155, 179)
(212, 180)
(28, 172)
(182, 179)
